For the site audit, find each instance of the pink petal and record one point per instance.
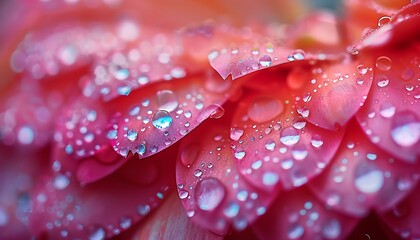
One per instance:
(299, 215)
(63, 208)
(212, 191)
(273, 143)
(335, 93)
(391, 117)
(26, 116)
(404, 219)
(170, 222)
(18, 173)
(362, 177)
(157, 116)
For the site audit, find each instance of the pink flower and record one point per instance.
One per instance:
(124, 120)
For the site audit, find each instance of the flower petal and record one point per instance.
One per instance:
(390, 116)
(212, 191)
(298, 214)
(18, 173)
(336, 92)
(404, 218)
(273, 143)
(157, 116)
(63, 208)
(363, 177)
(167, 222)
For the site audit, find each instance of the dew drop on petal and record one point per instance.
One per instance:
(287, 164)
(383, 63)
(265, 109)
(98, 234)
(162, 119)
(296, 232)
(239, 154)
(387, 110)
(61, 182)
(289, 136)
(383, 81)
(167, 100)
(331, 229)
(265, 61)
(183, 194)
(236, 133)
(368, 179)
(316, 141)
(209, 193)
(25, 135)
(405, 129)
(270, 178)
(4, 217)
(132, 135)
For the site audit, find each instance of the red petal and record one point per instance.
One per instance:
(159, 115)
(170, 222)
(404, 218)
(63, 208)
(272, 143)
(18, 173)
(363, 177)
(212, 191)
(335, 93)
(391, 116)
(299, 215)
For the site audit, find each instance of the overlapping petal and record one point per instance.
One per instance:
(362, 177)
(213, 192)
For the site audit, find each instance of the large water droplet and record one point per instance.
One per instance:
(162, 119)
(183, 194)
(387, 110)
(209, 193)
(99, 234)
(265, 109)
(132, 135)
(26, 135)
(61, 182)
(167, 100)
(383, 63)
(236, 133)
(405, 129)
(270, 178)
(289, 136)
(383, 20)
(368, 179)
(317, 141)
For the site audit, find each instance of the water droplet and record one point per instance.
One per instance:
(162, 119)
(404, 184)
(407, 74)
(112, 134)
(287, 164)
(143, 79)
(289, 136)
(231, 210)
(128, 30)
(213, 55)
(141, 149)
(331, 229)
(256, 165)
(368, 179)
(143, 210)
(26, 135)
(99, 234)
(317, 141)
(270, 145)
(270, 178)
(132, 135)
(120, 73)
(383, 20)
(383, 81)
(216, 111)
(265, 61)
(239, 154)
(183, 194)
(303, 111)
(190, 154)
(178, 72)
(209, 193)
(236, 133)
(242, 195)
(264, 109)
(124, 90)
(125, 222)
(61, 182)
(4, 217)
(299, 123)
(383, 63)
(387, 110)
(198, 173)
(299, 153)
(296, 232)
(405, 129)
(362, 69)
(167, 100)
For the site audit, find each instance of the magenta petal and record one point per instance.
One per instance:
(362, 177)
(298, 214)
(159, 115)
(212, 191)
(273, 143)
(63, 208)
(391, 116)
(404, 219)
(170, 222)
